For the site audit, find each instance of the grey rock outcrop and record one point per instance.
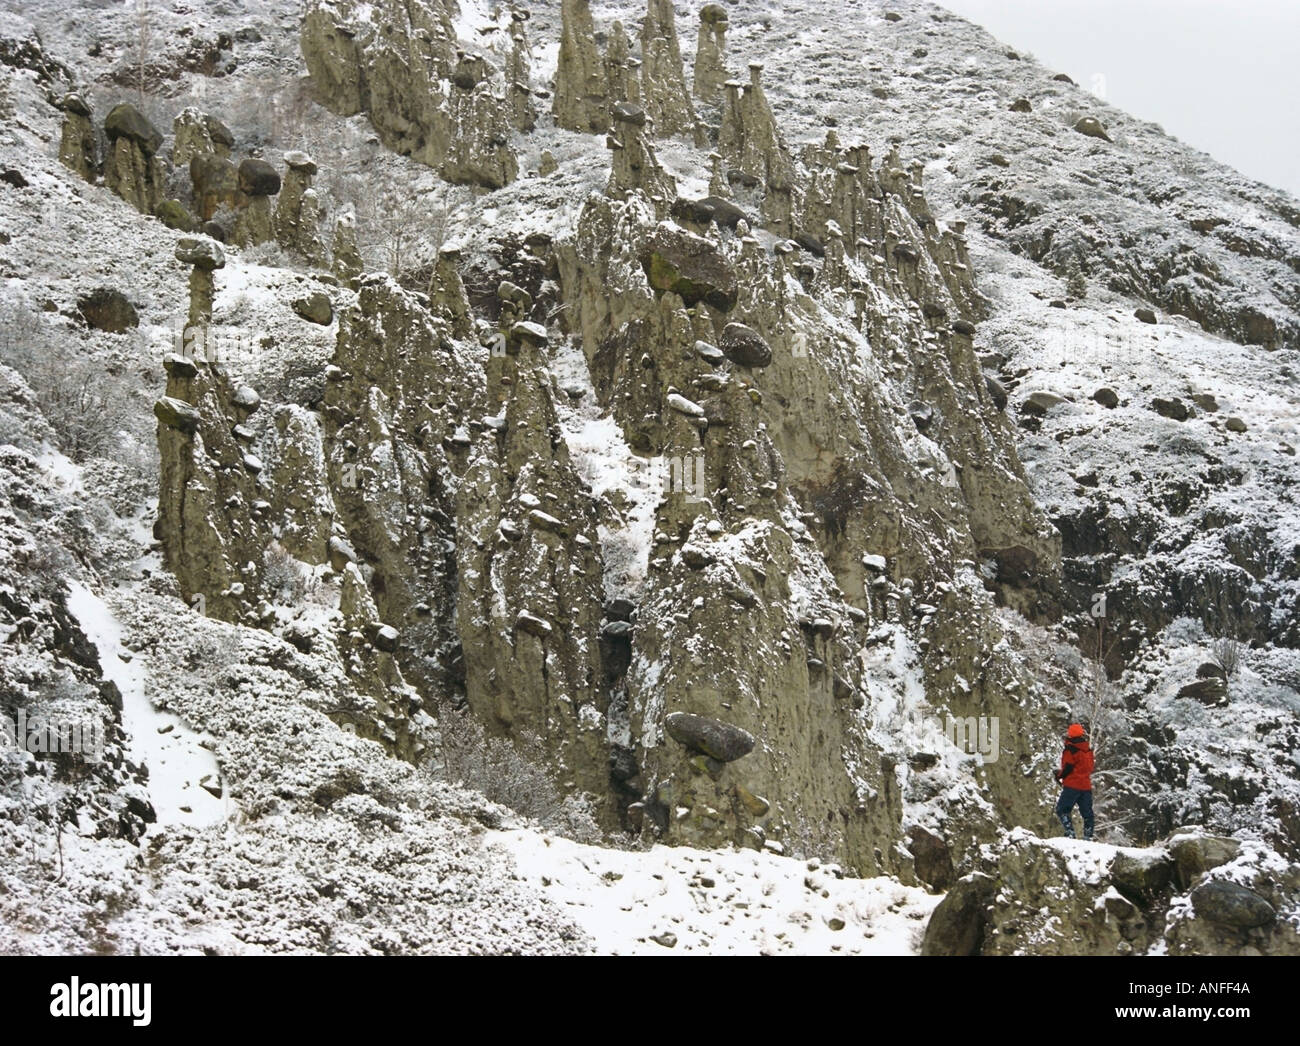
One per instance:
(392, 67)
(196, 133)
(78, 143)
(622, 71)
(711, 55)
(347, 263)
(206, 256)
(132, 168)
(664, 95)
(581, 99)
(298, 212)
(519, 75)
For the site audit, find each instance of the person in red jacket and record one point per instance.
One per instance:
(1075, 776)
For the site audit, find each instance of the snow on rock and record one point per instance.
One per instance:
(623, 480)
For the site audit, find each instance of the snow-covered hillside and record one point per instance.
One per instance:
(496, 593)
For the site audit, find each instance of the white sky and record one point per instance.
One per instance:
(1222, 75)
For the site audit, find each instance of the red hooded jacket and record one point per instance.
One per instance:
(1076, 766)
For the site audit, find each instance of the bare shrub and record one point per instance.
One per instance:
(512, 774)
(1227, 654)
(88, 407)
(282, 576)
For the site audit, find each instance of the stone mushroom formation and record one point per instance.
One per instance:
(432, 471)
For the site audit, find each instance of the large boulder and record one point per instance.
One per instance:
(314, 307)
(1195, 853)
(716, 739)
(1212, 690)
(931, 858)
(745, 346)
(1231, 905)
(1143, 875)
(689, 266)
(201, 252)
(1092, 127)
(258, 178)
(126, 121)
(106, 309)
(956, 925)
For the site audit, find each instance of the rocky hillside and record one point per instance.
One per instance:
(736, 439)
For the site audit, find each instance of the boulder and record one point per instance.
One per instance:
(1172, 408)
(1093, 128)
(1210, 691)
(126, 121)
(1145, 315)
(1107, 397)
(956, 925)
(106, 309)
(931, 858)
(202, 253)
(532, 624)
(1141, 876)
(628, 113)
(1195, 854)
(745, 346)
(172, 213)
(997, 391)
(716, 739)
(176, 414)
(1234, 424)
(315, 307)
(690, 266)
(258, 178)
(1021, 105)
(1041, 402)
(1231, 905)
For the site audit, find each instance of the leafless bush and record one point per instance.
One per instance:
(282, 577)
(88, 407)
(398, 228)
(142, 42)
(1227, 654)
(512, 774)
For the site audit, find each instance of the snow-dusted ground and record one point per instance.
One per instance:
(185, 785)
(669, 900)
(845, 64)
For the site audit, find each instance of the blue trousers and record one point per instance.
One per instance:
(1065, 809)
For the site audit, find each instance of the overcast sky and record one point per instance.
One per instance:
(1222, 75)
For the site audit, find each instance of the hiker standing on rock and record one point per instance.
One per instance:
(1075, 777)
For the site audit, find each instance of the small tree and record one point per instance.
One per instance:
(1076, 284)
(1227, 654)
(396, 226)
(143, 42)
